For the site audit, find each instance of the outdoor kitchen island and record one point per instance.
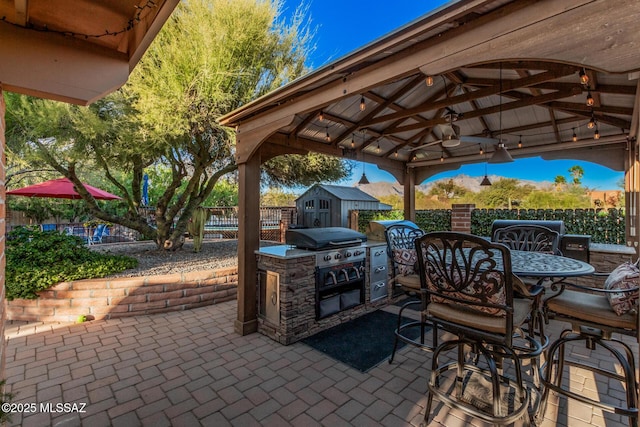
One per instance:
(302, 292)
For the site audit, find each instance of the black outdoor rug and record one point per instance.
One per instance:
(361, 343)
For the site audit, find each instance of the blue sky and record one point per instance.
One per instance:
(343, 26)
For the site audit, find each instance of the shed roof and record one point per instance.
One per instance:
(345, 193)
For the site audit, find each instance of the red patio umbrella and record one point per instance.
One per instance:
(60, 188)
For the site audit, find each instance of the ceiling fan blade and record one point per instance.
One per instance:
(479, 140)
(450, 141)
(428, 144)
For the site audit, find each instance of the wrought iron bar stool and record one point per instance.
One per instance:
(470, 294)
(597, 316)
(401, 250)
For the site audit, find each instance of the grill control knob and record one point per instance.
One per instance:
(347, 254)
(356, 253)
(338, 256)
(327, 257)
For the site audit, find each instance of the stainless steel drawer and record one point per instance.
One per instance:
(378, 290)
(379, 273)
(378, 256)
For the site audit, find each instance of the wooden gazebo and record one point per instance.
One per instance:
(556, 79)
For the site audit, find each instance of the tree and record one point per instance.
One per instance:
(211, 57)
(502, 193)
(577, 172)
(448, 189)
(277, 197)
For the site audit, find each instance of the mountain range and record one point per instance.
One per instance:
(472, 183)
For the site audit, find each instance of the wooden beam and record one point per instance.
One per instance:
(525, 102)
(469, 96)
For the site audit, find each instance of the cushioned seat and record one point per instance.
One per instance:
(592, 308)
(474, 319)
(410, 282)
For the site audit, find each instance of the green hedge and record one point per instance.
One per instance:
(604, 226)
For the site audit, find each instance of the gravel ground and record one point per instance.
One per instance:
(151, 261)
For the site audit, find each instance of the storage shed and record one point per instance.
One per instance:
(329, 205)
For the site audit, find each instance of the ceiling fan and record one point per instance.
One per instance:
(450, 134)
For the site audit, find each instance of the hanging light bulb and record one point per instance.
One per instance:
(395, 154)
(574, 138)
(429, 81)
(353, 141)
(442, 157)
(481, 150)
(328, 137)
(363, 178)
(592, 122)
(584, 78)
(321, 116)
(362, 104)
(520, 142)
(378, 148)
(590, 100)
(596, 134)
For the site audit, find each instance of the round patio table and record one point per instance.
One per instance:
(543, 265)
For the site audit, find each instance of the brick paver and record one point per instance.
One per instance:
(190, 368)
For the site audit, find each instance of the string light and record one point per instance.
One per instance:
(592, 122)
(481, 150)
(141, 14)
(584, 78)
(328, 137)
(574, 138)
(395, 154)
(362, 104)
(520, 142)
(321, 116)
(353, 141)
(596, 134)
(442, 157)
(429, 81)
(590, 100)
(378, 148)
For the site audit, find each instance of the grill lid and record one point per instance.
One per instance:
(324, 238)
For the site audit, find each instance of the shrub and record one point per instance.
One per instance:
(37, 260)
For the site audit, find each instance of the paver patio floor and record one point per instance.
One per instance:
(189, 368)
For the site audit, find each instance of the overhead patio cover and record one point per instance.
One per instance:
(548, 78)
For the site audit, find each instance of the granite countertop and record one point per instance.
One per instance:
(610, 248)
(288, 251)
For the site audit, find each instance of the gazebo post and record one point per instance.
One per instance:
(248, 242)
(632, 178)
(410, 195)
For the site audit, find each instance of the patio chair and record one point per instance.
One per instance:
(402, 254)
(597, 316)
(470, 294)
(100, 231)
(533, 238)
(528, 238)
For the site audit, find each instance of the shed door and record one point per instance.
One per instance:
(317, 212)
